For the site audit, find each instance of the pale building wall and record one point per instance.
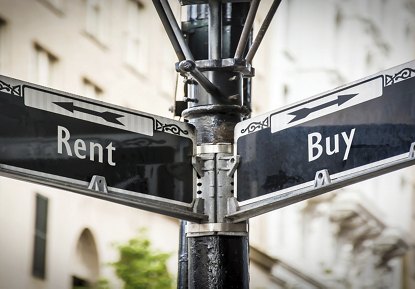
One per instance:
(313, 47)
(304, 53)
(79, 55)
(69, 214)
(150, 88)
(61, 31)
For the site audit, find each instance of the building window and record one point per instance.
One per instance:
(78, 283)
(45, 66)
(91, 90)
(95, 19)
(85, 266)
(2, 42)
(54, 5)
(39, 252)
(135, 55)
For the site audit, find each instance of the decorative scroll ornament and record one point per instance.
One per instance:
(172, 128)
(254, 126)
(15, 90)
(401, 75)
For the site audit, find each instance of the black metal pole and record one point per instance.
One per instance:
(172, 32)
(243, 41)
(218, 262)
(215, 29)
(261, 33)
(218, 92)
(182, 274)
(217, 259)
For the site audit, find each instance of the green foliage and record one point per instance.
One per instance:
(142, 267)
(139, 266)
(100, 284)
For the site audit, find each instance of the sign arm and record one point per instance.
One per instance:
(149, 204)
(323, 183)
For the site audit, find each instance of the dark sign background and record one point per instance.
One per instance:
(385, 127)
(158, 165)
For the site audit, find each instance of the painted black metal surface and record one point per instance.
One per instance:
(157, 165)
(218, 262)
(364, 134)
(183, 258)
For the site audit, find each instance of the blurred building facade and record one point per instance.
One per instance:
(360, 236)
(117, 51)
(105, 50)
(111, 50)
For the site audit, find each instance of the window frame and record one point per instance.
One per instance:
(45, 66)
(136, 46)
(95, 24)
(89, 85)
(40, 237)
(3, 35)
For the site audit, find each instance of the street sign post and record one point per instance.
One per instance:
(97, 149)
(352, 133)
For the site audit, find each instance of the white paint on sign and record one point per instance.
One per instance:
(316, 149)
(80, 148)
(87, 110)
(327, 103)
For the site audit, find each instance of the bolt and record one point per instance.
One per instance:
(187, 66)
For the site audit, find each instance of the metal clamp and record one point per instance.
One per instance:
(322, 178)
(210, 229)
(189, 66)
(233, 164)
(199, 205)
(215, 165)
(98, 184)
(215, 148)
(197, 164)
(232, 205)
(412, 151)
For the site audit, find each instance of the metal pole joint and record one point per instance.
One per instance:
(213, 229)
(215, 165)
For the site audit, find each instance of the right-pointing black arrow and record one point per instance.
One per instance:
(107, 115)
(304, 112)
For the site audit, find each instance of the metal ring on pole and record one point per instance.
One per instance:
(209, 229)
(215, 148)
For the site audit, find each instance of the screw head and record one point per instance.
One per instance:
(187, 65)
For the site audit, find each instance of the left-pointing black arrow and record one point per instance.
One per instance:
(304, 112)
(106, 115)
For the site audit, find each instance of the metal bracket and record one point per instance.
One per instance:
(412, 151)
(215, 148)
(233, 164)
(98, 184)
(199, 205)
(189, 66)
(215, 165)
(322, 178)
(209, 229)
(197, 164)
(233, 205)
